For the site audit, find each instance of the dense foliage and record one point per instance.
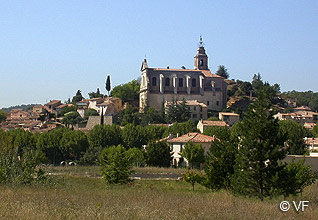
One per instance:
(308, 98)
(127, 92)
(115, 165)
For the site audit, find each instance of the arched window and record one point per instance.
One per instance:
(201, 62)
(180, 82)
(194, 82)
(154, 81)
(167, 83)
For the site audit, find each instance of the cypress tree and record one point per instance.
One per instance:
(108, 84)
(102, 117)
(261, 147)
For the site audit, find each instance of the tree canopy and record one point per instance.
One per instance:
(222, 71)
(127, 92)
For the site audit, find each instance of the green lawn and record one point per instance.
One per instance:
(81, 197)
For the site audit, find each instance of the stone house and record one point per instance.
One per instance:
(204, 124)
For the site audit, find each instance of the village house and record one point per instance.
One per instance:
(301, 117)
(38, 109)
(229, 117)
(204, 124)
(110, 106)
(177, 145)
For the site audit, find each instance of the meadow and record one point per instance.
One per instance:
(81, 194)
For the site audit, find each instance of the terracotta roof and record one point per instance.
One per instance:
(52, 102)
(214, 123)
(229, 113)
(61, 106)
(206, 73)
(192, 137)
(84, 101)
(302, 108)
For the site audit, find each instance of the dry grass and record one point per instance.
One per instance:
(89, 198)
(93, 171)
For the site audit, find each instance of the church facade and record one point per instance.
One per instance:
(160, 85)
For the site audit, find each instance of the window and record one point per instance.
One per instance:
(201, 109)
(208, 103)
(194, 108)
(167, 83)
(180, 82)
(194, 115)
(200, 115)
(154, 81)
(201, 62)
(194, 82)
(217, 103)
(180, 148)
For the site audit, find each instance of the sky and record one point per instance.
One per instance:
(50, 49)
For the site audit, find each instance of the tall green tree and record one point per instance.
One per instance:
(261, 148)
(158, 154)
(194, 153)
(107, 86)
(178, 112)
(3, 116)
(222, 71)
(220, 164)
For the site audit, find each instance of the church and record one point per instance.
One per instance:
(162, 85)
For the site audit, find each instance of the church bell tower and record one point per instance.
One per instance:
(201, 59)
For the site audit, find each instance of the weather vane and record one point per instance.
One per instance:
(201, 41)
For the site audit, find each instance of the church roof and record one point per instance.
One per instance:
(206, 73)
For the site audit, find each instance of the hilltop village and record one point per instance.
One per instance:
(175, 95)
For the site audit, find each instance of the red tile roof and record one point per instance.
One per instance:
(192, 137)
(214, 123)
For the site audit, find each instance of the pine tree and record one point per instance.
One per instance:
(261, 148)
(222, 71)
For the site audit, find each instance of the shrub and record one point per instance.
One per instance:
(136, 157)
(16, 169)
(115, 165)
(193, 177)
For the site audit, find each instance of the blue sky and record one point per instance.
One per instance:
(50, 49)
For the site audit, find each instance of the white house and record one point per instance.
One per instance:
(177, 145)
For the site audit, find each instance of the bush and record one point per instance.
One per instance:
(16, 169)
(193, 177)
(115, 165)
(136, 157)
(294, 178)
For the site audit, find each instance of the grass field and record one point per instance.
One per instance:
(82, 197)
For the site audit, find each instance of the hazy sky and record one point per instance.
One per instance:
(50, 49)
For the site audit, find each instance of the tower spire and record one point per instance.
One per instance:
(201, 59)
